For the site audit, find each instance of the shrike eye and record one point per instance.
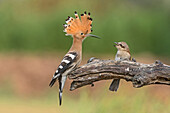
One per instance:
(122, 46)
(81, 33)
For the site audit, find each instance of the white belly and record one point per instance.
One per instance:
(122, 55)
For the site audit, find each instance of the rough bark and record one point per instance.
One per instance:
(138, 73)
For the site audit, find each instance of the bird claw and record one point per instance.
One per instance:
(133, 59)
(158, 63)
(92, 85)
(92, 59)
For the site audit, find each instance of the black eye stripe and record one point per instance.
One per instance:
(81, 33)
(122, 46)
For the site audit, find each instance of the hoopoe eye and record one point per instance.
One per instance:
(81, 33)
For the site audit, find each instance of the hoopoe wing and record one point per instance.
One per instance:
(67, 63)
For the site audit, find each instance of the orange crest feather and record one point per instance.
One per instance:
(75, 25)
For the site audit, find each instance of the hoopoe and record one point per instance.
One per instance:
(123, 53)
(79, 30)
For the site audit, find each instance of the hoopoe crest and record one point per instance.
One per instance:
(79, 27)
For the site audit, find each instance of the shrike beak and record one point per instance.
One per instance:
(91, 35)
(116, 44)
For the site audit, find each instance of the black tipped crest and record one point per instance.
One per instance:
(75, 25)
(90, 19)
(75, 12)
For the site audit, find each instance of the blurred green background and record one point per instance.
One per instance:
(32, 44)
(36, 25)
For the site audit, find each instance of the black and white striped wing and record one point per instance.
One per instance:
(67, 63)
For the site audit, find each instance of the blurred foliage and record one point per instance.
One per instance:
(98, 103)
(36, 25)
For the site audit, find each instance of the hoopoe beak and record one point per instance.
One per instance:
(116, 44)
(91, 35)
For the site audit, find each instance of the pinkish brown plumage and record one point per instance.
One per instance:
(79, 30)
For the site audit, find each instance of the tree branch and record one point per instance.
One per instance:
(138, 73)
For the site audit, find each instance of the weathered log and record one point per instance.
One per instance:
(138, 73)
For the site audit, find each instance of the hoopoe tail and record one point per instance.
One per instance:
(61, 81)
